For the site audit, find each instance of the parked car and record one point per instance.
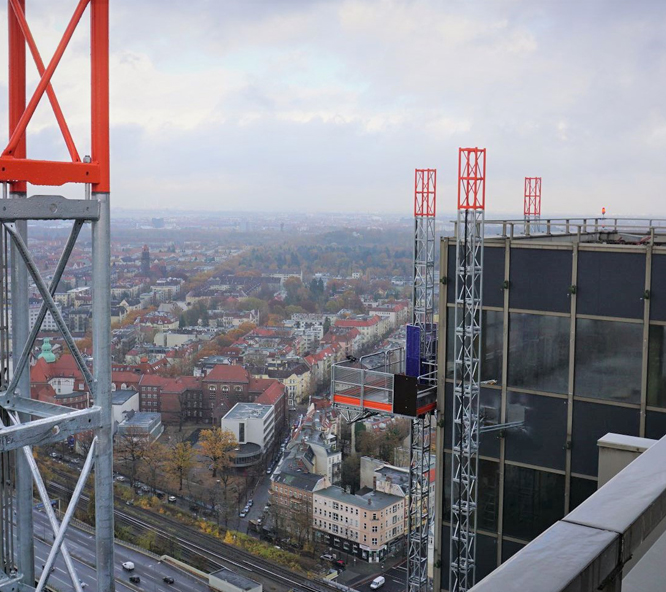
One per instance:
(250, 502)
(378, 582)
(168, 579)
(172, 499)
(120, 478)
(128, 565)
(243, 514)
(135, 579)
(326, 557)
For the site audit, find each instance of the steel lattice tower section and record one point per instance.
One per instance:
(532, 201)
(467, 367)
(423, 317)
(25, 422)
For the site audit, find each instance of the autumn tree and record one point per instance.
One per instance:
(180, 462)
(218, 445)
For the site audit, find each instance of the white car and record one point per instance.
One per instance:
(172, 499)
(378, 582)
(128, 565)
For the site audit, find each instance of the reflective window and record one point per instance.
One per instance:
(539, 352)
(529, 291)
(491, 344)
(581, 489)
(541, 440)
(610, 284)
(591, 421)
(608, 360)
(533, 501)
(656, 395)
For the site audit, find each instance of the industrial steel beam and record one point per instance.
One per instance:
(49, 207)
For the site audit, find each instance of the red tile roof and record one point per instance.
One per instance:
(272, 394)
(227, 373)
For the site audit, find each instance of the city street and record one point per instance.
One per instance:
(395, 580)
(82, 548)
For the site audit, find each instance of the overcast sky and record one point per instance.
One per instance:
(329, 105)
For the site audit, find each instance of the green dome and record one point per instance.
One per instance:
(47, 354)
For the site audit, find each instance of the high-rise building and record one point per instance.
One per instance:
(145, 261)
(573, 347)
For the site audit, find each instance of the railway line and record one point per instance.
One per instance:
(198, 549)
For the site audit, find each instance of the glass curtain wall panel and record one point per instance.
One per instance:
(608, 360)
(539, 352)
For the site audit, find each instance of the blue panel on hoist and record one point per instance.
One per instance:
(413, 351)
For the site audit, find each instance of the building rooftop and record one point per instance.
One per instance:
(234, 579)
(248, 411)
(122, 396)
(143, 419)
(373, 500)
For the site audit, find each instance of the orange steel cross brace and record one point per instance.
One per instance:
(15, 167)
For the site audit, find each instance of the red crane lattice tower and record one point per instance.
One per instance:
(467, 366)
(25, 422)
(532, 202)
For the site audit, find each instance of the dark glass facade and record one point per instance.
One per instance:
(574, 347)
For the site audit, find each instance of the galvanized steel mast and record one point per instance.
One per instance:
(423, 320)
(467, 367)
(27, 422)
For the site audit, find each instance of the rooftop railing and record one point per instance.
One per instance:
(645, 228)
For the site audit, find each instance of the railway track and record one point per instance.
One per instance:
(198, 549)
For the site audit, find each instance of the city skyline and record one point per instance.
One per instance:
(329, 106)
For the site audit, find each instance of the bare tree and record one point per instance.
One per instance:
(154, 459)
(130, 450)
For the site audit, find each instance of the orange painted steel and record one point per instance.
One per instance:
(16, 88)
(532, 202)
(25, 29)
(471, 179)
(99, 66)
(15, 167)
(425, 189)
(49, 172)
(356, 402)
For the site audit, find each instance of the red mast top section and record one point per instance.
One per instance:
(425, 193)
(532, 203)
(15, 167)
(472, 179)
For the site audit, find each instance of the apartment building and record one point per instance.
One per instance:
(367, 525)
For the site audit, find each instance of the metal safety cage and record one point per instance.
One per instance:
(467, 367)
(25, 422)
(366, 385)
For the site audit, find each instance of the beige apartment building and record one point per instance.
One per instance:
(368, 526)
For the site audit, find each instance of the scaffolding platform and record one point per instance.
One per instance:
(377, 383)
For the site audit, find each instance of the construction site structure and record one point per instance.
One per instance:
(467, 367)
(25, 422)
(532, 203)
(422, 364)
(402, 381)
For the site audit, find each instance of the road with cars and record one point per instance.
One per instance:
(82, 548)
